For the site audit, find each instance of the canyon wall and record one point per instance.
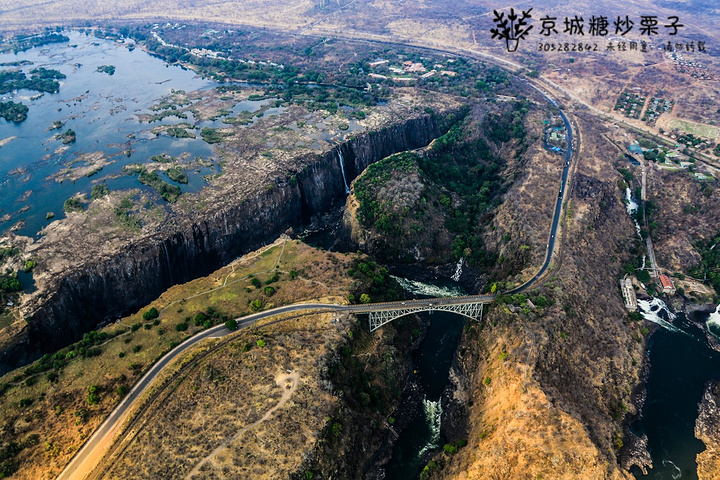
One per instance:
(90, 294)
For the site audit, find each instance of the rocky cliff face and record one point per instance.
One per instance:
(707, 429)
(195, 245)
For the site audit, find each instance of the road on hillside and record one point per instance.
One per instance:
(92, 451)
(558, 204)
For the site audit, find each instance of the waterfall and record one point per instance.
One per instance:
(458, 271)
(427, 289)
(342, 169)
(650, 310)
(167, 257)
(631, 206)
(643, 265)
(433, 416)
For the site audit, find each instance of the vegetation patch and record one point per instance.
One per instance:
(109, 69)
(169, 193)
(709, 267)
(214, 135)
(41, 80)
(67, 137)
(55, 399)
(177, 175)
(73, 204)
(26, 42)
(179, 132)
(13, 112)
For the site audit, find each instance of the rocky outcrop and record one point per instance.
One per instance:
(192, 246)
(707, 429)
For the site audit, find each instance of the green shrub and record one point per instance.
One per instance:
(199, 319)
(98, 191)
(93, 396)
(151, 314)
(231, 325)
(450, 449)
(73, 204)
(181, 327)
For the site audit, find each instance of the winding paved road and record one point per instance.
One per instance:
(90, 454)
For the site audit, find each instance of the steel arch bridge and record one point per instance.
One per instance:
(471, 310)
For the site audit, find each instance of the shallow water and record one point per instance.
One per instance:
(103, 111)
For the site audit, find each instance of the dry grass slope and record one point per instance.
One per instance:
(59, 418)
(246, 411)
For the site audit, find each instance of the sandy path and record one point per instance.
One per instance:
(288, 382)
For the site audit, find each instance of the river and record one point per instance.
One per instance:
(104, 111)
(432, 362)
(681, 363)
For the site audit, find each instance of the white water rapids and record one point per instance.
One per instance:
(650, 310)
(631, 206)
(458, 271)
(429, 290)
(713, 323)
(433, 414)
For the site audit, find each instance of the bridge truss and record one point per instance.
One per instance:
(379, 318)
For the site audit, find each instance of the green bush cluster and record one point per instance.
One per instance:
(373, 282)
(13, 112)
(168, 192)
(709, 267)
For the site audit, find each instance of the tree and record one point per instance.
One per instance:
(255, 305)
(450, 449)
(93, 397)
(643, 276)
(98, 191)
(231, 325)
(151, 314)
(73, 205)
(199, 318)
(364, 298)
